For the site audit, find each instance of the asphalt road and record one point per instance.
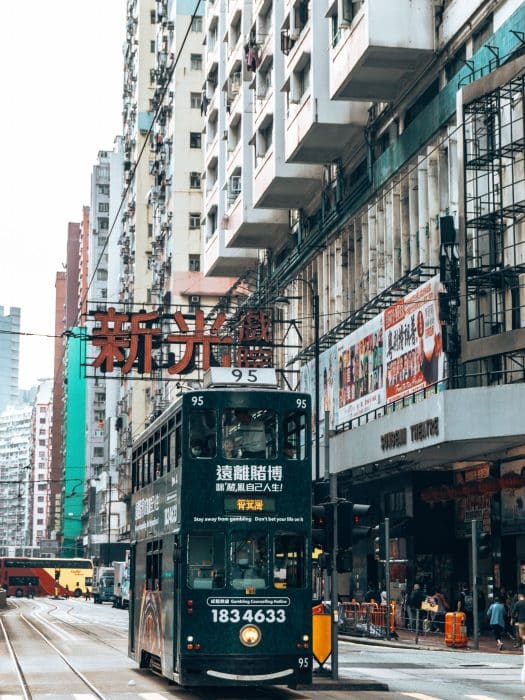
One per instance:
(93, 639)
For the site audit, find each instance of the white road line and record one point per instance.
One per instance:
(420, 696)
(481, 697)
(152, 696)
(84, 696)
(11, 697)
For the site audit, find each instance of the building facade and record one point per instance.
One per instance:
(386, 140)
(9, 356)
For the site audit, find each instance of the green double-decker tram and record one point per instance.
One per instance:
(220, 585)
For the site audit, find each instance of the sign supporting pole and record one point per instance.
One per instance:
(387, 577)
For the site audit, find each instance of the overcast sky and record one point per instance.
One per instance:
(61, 66)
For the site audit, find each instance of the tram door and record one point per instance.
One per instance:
(177, 563)
(132, 596)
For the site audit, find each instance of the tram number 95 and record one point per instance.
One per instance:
(236, 615)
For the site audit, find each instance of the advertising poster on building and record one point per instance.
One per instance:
(393, 355)
(414, 358)
(472, 501)
(512, 483)
(360, 371)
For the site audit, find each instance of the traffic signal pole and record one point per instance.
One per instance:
(334, 588)
(474, 588)
(387, 577)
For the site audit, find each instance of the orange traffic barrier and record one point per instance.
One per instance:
(456, 629)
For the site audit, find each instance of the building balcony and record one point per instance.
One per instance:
(280, 185)
(385, 45)
(222, 261)
(247, 227)
(317, 130)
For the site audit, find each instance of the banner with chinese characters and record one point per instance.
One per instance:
(413, 351)
(142, 342)
(396, 353)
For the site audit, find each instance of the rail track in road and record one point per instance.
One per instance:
(80, 625)
(29, 671)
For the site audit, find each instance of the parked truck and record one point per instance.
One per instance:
(121, 583)
(103, 583)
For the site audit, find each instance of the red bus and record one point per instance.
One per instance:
(28, 576)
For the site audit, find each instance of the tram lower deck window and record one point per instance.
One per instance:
(206, 560)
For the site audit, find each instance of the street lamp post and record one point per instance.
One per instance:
(317, 377)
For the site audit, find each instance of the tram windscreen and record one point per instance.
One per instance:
(249, 433)
(206, 560)
(249, 556)
(289, 561)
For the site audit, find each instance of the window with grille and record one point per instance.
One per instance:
(195, 220)
(196, 61)
(195, 181)
(194, 263)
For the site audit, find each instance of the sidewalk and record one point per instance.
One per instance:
(435, 641)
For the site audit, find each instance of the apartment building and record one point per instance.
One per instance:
(9, 356)
(383, 141)
(42, 429)
(15, 475)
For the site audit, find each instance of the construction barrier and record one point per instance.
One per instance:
(456, 629)
(367, 619)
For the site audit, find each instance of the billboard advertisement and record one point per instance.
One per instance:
(397, 353)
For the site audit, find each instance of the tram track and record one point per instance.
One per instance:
(80, 627)
(26, 684)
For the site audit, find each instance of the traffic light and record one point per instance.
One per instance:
(483, 544)
(323, 525)
(349, 528)
(380, 549)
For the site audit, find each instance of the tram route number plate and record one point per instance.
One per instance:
(240, 376)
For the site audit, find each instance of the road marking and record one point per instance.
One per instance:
(83, 696)
(152, 696)
(420, 696)
(480, 697)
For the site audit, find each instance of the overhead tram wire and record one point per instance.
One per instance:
(145, 143)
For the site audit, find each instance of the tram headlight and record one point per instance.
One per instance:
(250, 635)
(306, 638)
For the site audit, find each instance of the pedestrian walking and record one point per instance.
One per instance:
(30, 591)
(496, 620)
(518, 617)
(438, 620)
(415, 599)
(87, 594)
(466, 604)
(66, 591)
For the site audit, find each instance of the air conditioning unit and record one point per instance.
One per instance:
(195, 299)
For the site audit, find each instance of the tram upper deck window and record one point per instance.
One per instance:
(203, 434)
(294, 435)
(289, 561)
(249, 556)
(206, 560)
(249, 433)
